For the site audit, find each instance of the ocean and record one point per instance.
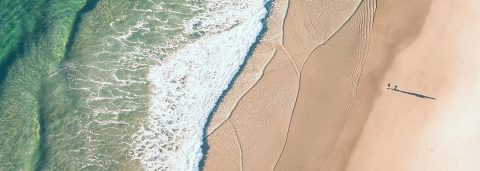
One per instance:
(116, 85)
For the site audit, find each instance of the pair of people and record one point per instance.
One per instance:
(394, 88)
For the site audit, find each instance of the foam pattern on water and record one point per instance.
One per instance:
(106, 75)
(188, 84)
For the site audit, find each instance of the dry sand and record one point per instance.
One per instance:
(405, 132)
(313, 97)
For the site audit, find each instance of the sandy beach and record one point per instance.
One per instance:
(314, 94)
(405, 132)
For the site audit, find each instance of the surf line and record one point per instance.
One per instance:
(268, 6)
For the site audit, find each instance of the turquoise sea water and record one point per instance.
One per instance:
(73, 77)
(34, 35)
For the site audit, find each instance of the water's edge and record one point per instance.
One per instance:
(261, 34)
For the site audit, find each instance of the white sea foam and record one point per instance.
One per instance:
(189, 83)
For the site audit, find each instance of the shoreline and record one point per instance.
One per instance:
(250, 52)
(221, 132)
(320, 102)
(249, 122)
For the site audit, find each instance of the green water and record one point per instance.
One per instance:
(73, 90)
(35, 42)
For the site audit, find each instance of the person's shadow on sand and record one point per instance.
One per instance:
(409, 93)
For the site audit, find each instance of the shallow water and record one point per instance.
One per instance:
(97, 85)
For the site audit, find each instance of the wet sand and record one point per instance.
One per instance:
(313, 95)
(256, 111)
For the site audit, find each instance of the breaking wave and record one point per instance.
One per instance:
(188, 83)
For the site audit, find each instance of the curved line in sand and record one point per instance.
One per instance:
(243, 95)
(300, 74)
(282, 43)
(258, 80)
(237, 140)
(347, 115)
